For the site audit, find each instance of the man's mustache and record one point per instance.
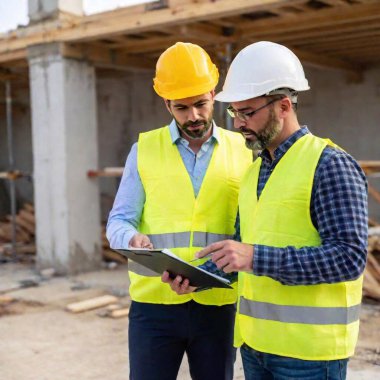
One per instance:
(245, 130)
(197, 123)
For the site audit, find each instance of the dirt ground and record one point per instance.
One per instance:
(42, 341)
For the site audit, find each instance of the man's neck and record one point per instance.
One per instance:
(196, 144)
(287, 131)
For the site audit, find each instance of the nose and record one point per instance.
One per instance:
(193, 114)
(238, 123)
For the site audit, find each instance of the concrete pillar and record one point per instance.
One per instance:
(42, 9)
(65, 147)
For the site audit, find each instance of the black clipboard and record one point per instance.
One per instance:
(160, 260)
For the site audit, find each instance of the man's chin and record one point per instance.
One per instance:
(253, 144)
(196, 134)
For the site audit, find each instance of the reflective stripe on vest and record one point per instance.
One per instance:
(173, 218)
(176, 240)
(201, 239)
(299, 314)
(170, 240)
(182, 239)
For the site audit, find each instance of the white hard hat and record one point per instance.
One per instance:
(260, 69)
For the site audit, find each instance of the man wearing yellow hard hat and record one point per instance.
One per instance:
(179, 191)
(303, 229)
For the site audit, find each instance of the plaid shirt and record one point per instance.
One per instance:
(338, 211)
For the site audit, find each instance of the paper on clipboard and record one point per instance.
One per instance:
(160, 260)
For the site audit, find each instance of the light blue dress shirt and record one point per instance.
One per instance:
(125, 215)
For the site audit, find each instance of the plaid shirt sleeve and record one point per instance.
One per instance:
(339, 213)
(211, 267)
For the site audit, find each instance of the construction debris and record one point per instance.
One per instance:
(371, 285)
(25, 232)
(90, 304)
(25, 237)
(114, 311)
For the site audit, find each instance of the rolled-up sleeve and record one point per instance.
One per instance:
(125, 215)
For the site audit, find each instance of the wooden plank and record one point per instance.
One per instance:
(119, 313)
(371, 287)
(6, 233)
(373, 223)
(114, 311)
(90, 304)
(28, 249)
(106, 172)
(331, 19)
(102, 57)
(326, 38)
(29, 227)
(5, 299)
(13, 55)
(374, 193)
(28, 207)
(28, 217)
(374, 265)
(125, 21)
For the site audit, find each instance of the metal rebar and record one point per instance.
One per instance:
(227, 62)
(12, 184)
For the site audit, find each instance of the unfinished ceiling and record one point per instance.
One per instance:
(340, 34)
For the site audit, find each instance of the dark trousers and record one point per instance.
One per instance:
(159, 335)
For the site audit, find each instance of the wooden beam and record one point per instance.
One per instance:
(324, 18)
(91, 304)
(335, 36)
(318, 34)
(136, 20)
(14, 55)
(102, 57)
(318, 60)
(324, 61)
(149, 45)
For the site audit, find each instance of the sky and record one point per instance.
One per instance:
(15, 12)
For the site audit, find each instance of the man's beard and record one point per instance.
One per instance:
(204, 125)
(266, 136)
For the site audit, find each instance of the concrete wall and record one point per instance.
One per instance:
(126, 107)
(348, 113)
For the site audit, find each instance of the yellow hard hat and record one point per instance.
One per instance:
(184, 70)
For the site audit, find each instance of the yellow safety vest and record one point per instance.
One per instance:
(173, 218)
(310, 322)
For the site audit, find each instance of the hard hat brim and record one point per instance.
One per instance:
(228, 97)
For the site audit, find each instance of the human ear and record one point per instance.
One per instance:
(167, 104)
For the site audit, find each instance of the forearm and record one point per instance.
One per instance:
(329, 263)
(119, 232)
(125, 215)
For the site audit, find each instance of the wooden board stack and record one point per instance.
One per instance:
(25, 237)
(25, 232)
(371, 285)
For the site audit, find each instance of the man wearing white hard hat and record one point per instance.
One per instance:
(179, 190)
(303, 229)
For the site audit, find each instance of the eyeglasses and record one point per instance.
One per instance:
(245, 116)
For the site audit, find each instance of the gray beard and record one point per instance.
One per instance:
(264, 138)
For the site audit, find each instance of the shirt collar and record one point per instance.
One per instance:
(284, 146)
(175, 136)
